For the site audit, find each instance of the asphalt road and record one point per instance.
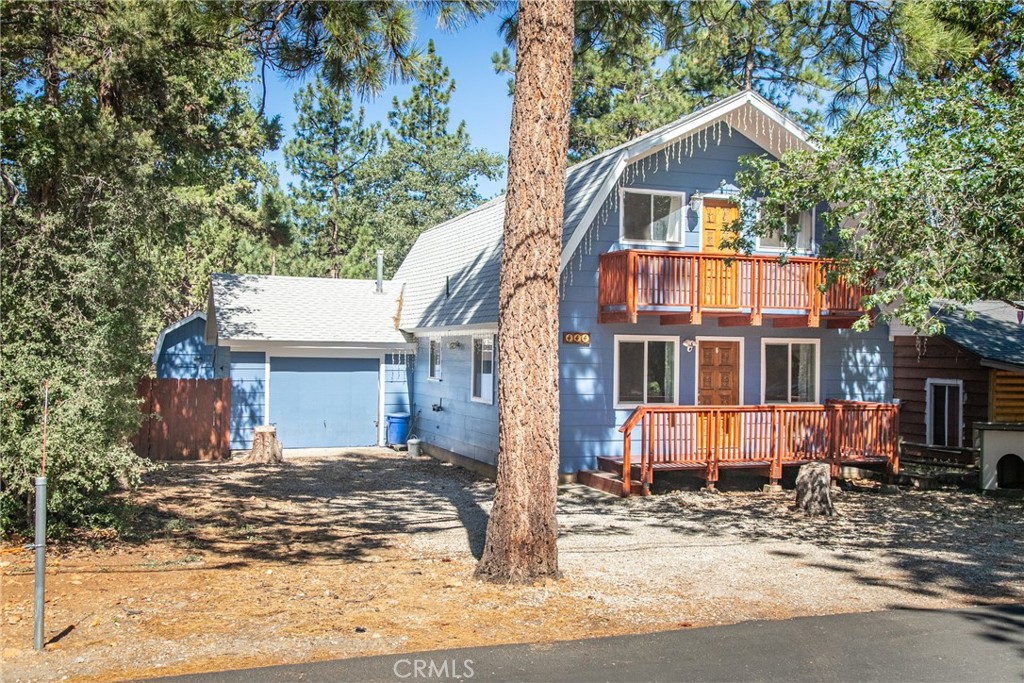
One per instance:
(901, 646)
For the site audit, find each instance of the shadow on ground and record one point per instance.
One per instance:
(343, 507)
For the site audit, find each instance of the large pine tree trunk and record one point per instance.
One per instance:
(522, 530)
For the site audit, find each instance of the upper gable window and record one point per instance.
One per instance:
(652, 216)
(804, 222)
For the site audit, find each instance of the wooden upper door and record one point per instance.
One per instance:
(719, 279)
(718, 373)
(717, 214)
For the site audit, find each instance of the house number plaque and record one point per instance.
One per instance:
(578, 338)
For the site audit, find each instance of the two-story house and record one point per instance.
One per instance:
(675, 354)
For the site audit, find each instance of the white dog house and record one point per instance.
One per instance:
(1002, 455)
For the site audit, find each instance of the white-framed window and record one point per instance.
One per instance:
(804, 221)
(483, 369)
(434, 369)
(652, 216)
(790, 370)
(944, 412)
(646, 370)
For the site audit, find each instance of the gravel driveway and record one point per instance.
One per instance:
(368, 551)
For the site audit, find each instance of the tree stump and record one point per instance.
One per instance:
(265, 446)
(814, 489)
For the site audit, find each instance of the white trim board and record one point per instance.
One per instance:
(324, 349)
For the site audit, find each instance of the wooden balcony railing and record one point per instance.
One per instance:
(768, 436)
(691, 283)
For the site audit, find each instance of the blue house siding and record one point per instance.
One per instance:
(248, 377)
(184, 355)
(463, 426)
(852, 365)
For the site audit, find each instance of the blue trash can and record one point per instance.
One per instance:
(398, 428)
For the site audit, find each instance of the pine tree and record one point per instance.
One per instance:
(124, 126)
(332, 148)
(429, 172)
(522, 532)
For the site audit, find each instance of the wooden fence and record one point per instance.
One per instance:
(187, 419)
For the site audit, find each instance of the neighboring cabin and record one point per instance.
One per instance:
(182, 352)
(654, 315)
(972, 373)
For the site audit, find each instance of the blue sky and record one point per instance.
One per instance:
(480, 98)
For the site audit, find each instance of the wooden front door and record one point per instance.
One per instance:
(719, 279)
(718, 373)
(718, 384)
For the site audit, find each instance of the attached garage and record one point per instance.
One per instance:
(319, 359)
(323, 402)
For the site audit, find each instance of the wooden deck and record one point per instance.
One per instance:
(683, 287)
(707, 439)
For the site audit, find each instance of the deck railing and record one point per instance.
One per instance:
(768, 436)
(631, 280)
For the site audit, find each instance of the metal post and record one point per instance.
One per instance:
(380, 271)
(40, 547)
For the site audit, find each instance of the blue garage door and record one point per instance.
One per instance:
(324, 402)
(248, 374)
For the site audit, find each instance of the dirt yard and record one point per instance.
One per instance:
(369, 551)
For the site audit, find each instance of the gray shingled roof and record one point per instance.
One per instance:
(467, 250)
(451, 273)
(304, 309)
(996, 333)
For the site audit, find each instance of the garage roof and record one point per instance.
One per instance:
(302, 309)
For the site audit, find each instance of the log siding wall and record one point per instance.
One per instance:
(918, 359)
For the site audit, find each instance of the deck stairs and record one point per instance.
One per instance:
(608, 477)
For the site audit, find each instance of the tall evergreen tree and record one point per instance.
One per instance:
(522, 532)
(124, 124)
(330, 152)
(429, 172)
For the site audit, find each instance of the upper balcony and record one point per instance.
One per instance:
(685, 287)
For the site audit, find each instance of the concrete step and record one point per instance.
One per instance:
(607, 482)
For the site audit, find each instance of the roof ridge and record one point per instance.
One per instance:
(300, 277)
(465, 214)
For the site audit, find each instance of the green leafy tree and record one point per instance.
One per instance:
(926, 194)
(123, 125)
(429, 172)
(332, 148)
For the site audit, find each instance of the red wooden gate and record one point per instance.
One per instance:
(194, 420)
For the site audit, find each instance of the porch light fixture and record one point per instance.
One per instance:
(689, 345)
(696, 199)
